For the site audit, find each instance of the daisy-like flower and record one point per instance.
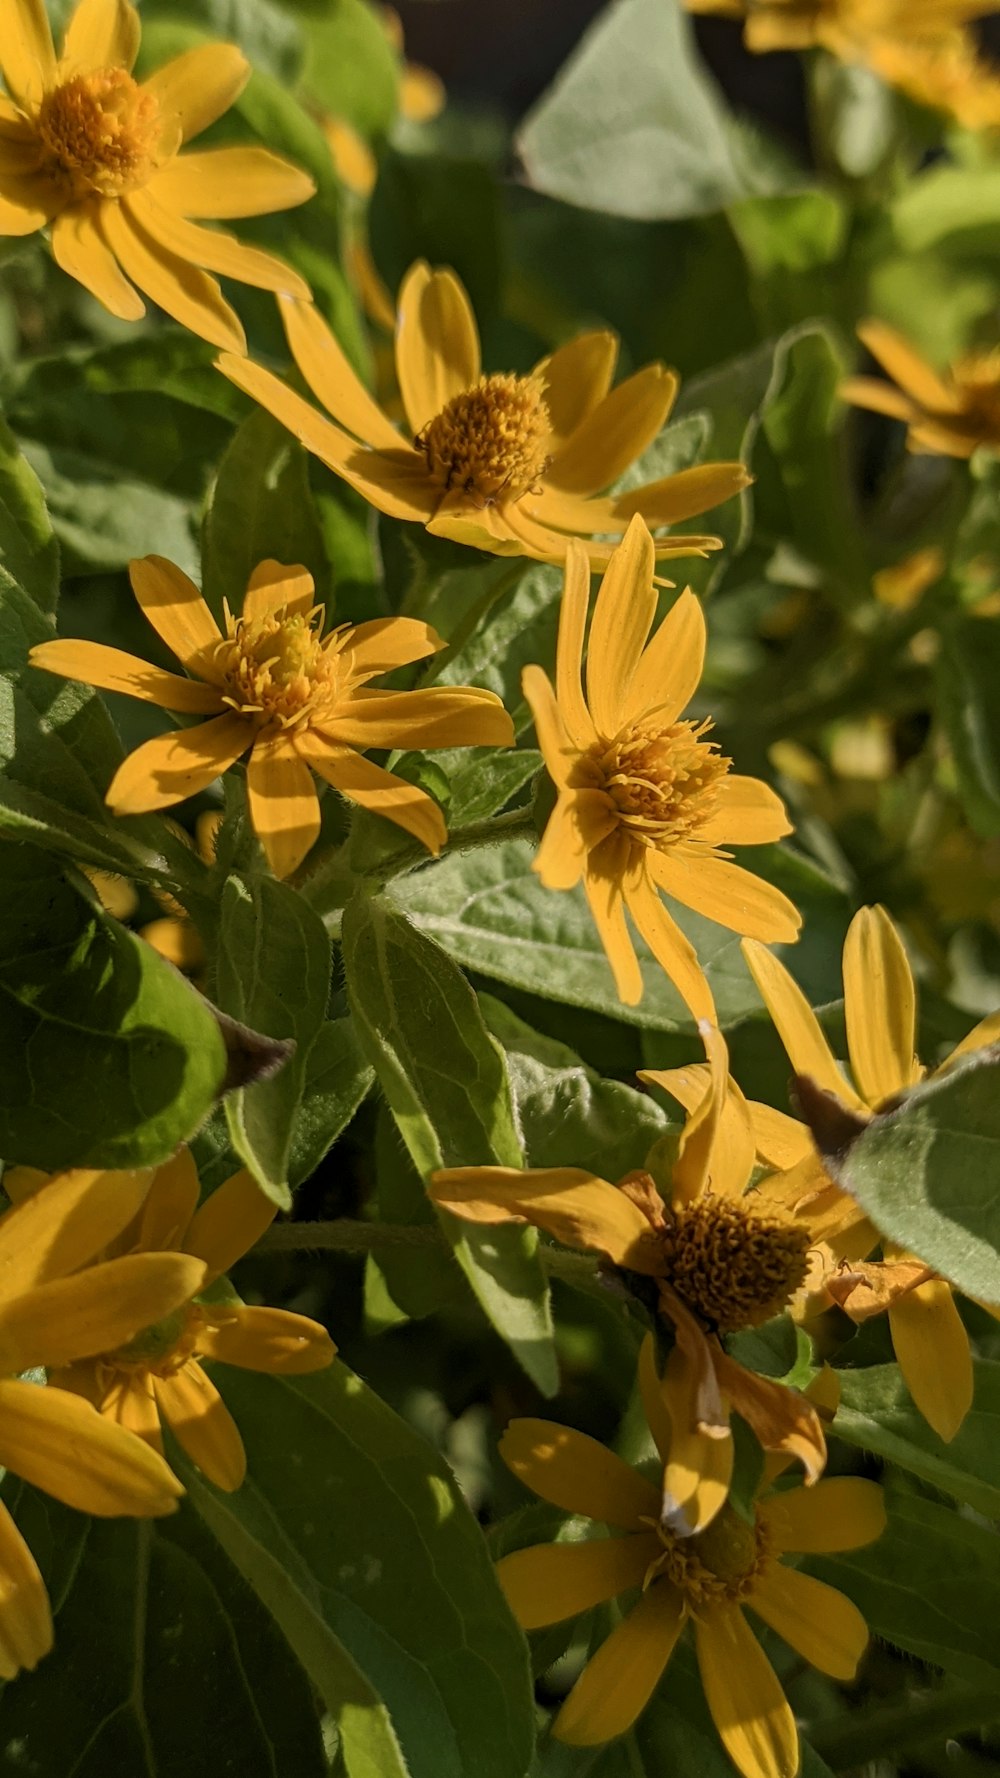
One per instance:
(848, 28)
(298, 701)
(952, 414)
(706, 1581)
(646, 802)
(516, 465)
(56, 1306)
(928, 1336)
(158, 1373)
(90, 150)
(949, 76)
(717, 1259)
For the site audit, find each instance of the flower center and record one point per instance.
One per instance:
(491, 440)
(102, 131)
(978, 381)
(663, 781)
(277, 667)
(736, 1265)
(161, 1349)
(723, 1562)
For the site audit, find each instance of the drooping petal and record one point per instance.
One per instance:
(221, 184)
(271, 1340)
(102, 34)
(580, 821)
(817, 1621)
(571, 1470)
(932, 1351)
(437, 343)
(623, 613)
(727, 893)
(332, 378)
(384, 643)
(781, 1140)
(230, 1221)
(694, 1166)
(699, 1466)
(748, 1706)
(555, 1581)
(375, 789)
(782, 1418)
(674, 953)
(615, 432)
(56, 1441)
(96, 1310)
(576, 1207)
(279, 586)
(681, 496)
(202, 1425)
(605, 899)
(619, 1680)
(880, 1007)
(669, 670)
(750, 813)
(839, 1513)
(177, 611)
(25, 1614)
(284, 807)
(182, 290)
(27, 57)
(432, 716)
(198, 86)
(878, 398)
(81, 251)
(212, 250)
(796, 1023)
(732, 1149)
(577, 376)
(558, 749)
(64, 1223)
(93, 663)
(177, 765)
(906, 367)
(573, 709)
(170, 1205)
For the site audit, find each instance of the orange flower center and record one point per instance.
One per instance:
(102, 132)
(734, 1263)
(278, 669)
(491, 440)
(663, 781)
(721, 1563)
(161, 1349)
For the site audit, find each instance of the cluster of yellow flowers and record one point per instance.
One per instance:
(103, 1278)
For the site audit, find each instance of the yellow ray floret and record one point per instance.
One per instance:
(849, 28)
(516, 465)
(93, 153)
(298, 701)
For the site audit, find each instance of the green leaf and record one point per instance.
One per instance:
(103, 517)
(372, 1565)
(112, 1058)
(265, 32)
(877, 1413)
(512, 623)
(928, 1172)
(632, 125)
(260, 507)
(28, 548)
(337, 1079)
(351, 69)
(446, 1083)
(948, 206)
(967, 669)
(273, 975)
(73, 750)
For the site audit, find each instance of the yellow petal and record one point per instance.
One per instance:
(569, 649)
(177, 765)
(878, 398)
(229, 1222)
(25, 204)
(694, 1167)
(110, 668)
(201, 1423)
(987, 1031)
(781, 1140)
(27, 57)
(817, 1621)
(880, 1007)
(370, 785)
(388, 642)
(131, 1404)
(25, 1614)
(748, 1706)
(577, 376)
(177, 941)
(284, 807)
(906, 367)
(699, 1466)
(576, 1207)
(618, 1682)
(176, 610)
(170, 1205)
(437, 343)
(182, 290)
(198, 86)
(555, 1581)
(668, 672)
(932, 1351)
(64, 1224)
(332, 379)
(573, 1471)
(605, 899)
(95, 1311)
(681, 496)
(434, 716)
(615, 432)
(213, 250)
(80, 249)
(580, 821)
(102, 34)
(271, 1340)
(796, 1023)
(575, 514)
(839, 1513)
(559, 751)
(728, 894)
(277, 586)
(749, 813)
(623, 613)
(56, 1441)
(220, 184)
(782, 1418)
(674, 953)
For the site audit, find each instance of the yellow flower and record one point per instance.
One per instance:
(157, 1374)
(902, 584)
(52, 1312)
(88, 149)
(706, 1580)
(848, 28)
(646, 802)
(929, 1339)
(949, 75)
(298, 700)
(953, 414)
(718, 1261)
(509, 464)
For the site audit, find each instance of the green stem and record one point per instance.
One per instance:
(349, 1236)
